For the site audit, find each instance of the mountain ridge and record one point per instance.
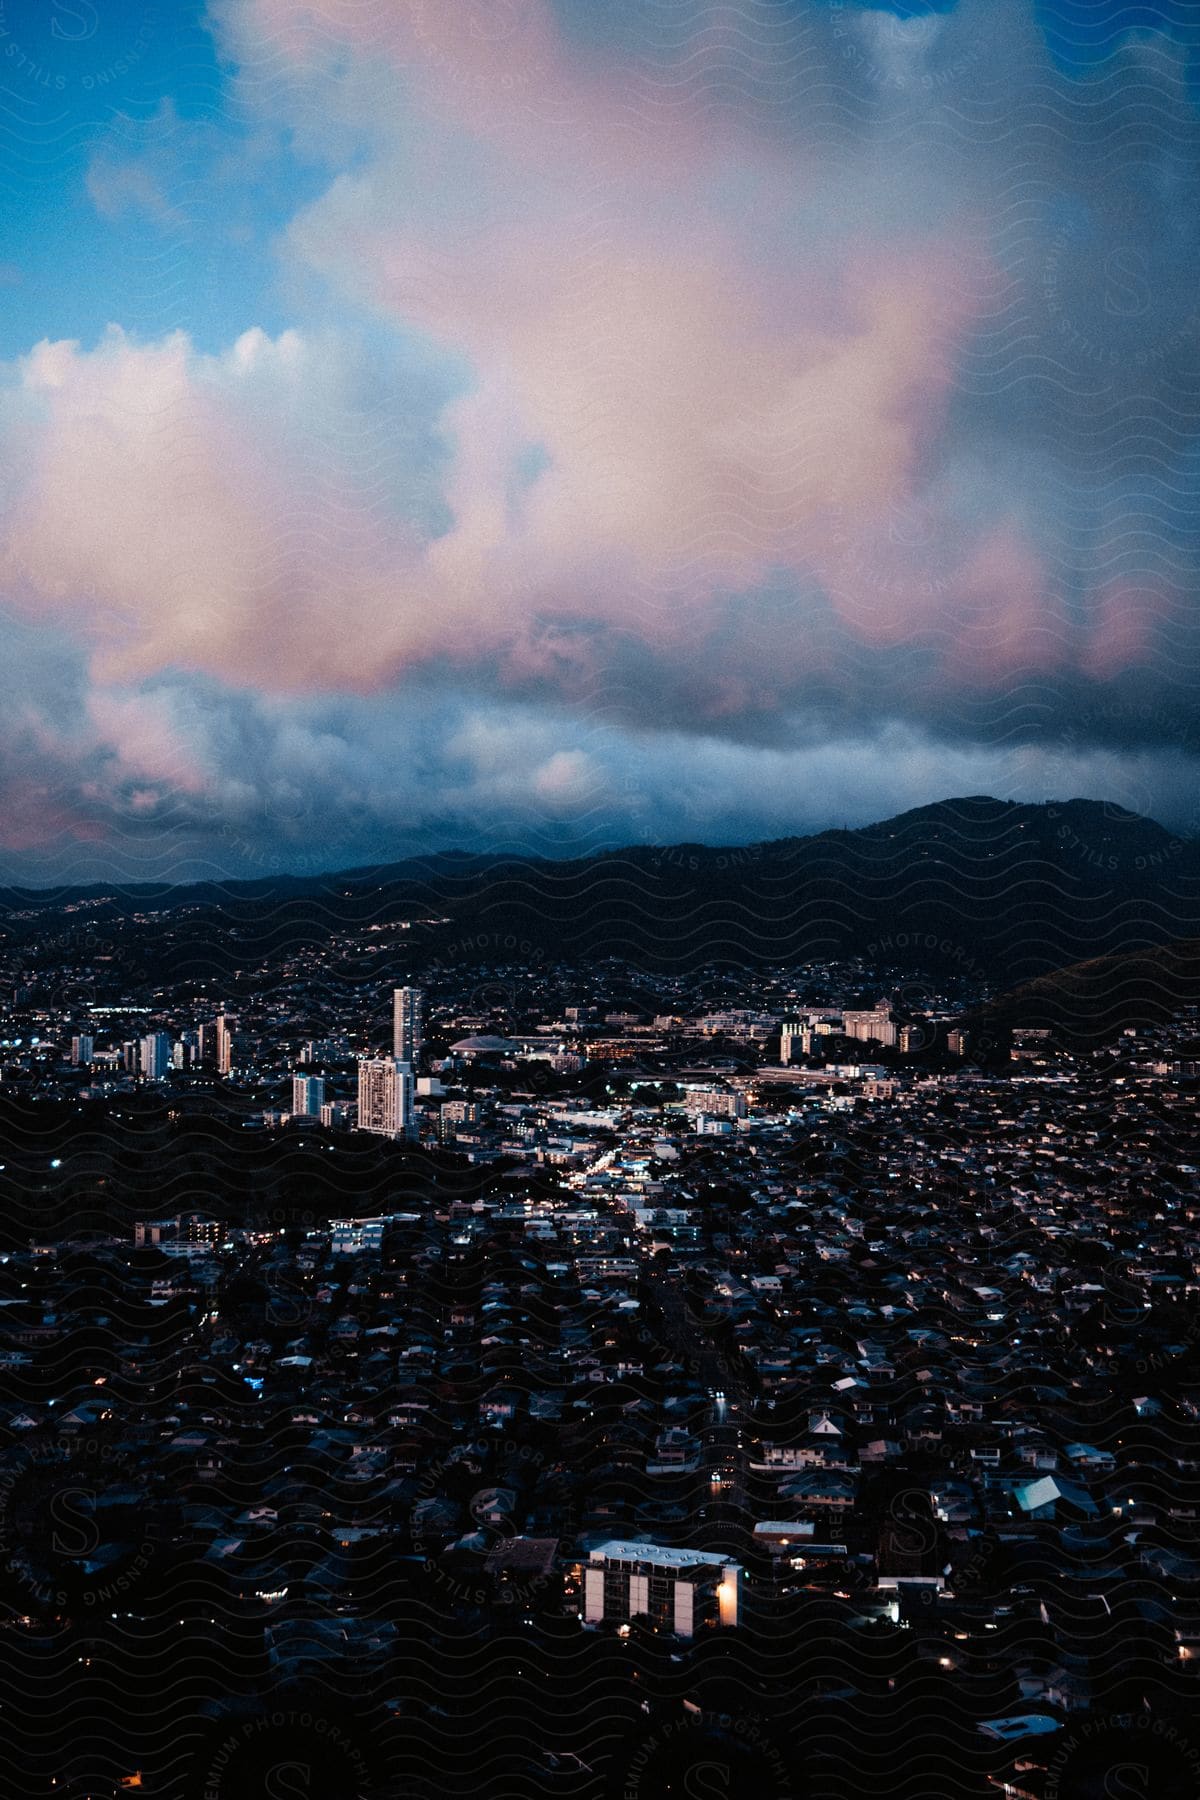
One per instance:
(1006, 889)
(958, 809)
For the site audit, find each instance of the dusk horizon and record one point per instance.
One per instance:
(258, 866)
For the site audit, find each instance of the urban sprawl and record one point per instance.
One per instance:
(690, 1324)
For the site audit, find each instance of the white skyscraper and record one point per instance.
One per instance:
(226, 1026)
(408, 1008)
(308, 1096)
(155, 1055)
(385, 1096)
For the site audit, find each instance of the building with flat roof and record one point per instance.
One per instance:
(308, 1096)
(408, 1023)
(679, 1591)
(385, 1097)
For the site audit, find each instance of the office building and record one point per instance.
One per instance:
(81, 1048)
(351, 1237)
(681, 1591)
(308, 1096)
(187, 1234)
(155, 1056)
(718, 1103)
(385, 1096)
(408, 1010)
(874, 1027)
(456, 1114)
(226, 1029)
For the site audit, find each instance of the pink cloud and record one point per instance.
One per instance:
(1004, 623)
(714, 403)
(1126, 625)
(165, 509)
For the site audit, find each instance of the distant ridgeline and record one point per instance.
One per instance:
(980, 886)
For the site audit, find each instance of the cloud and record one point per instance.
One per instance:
(117, 188)
(247, 515)
(184, 777)
(762, 379)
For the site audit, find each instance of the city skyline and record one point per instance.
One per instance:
(545, 427)
(678, 1379)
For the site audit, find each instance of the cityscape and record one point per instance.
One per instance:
(600, 899)
(563, 1378)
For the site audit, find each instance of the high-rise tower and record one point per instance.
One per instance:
(408, 1017)
(385, 1097)
(226, 1027)
(308, 1096)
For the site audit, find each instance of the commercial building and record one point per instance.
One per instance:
(408, 1017)
(354, 1237)
(874, 1027)
(681, 1591)
(155, 1056)
(308, 1096)
(186, 1234)
(717, 1103)
(385, 1096)
(455, 1114)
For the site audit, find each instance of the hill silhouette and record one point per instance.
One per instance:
(1002, 888)
(1094, 1001)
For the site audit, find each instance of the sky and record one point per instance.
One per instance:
(553, 424)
